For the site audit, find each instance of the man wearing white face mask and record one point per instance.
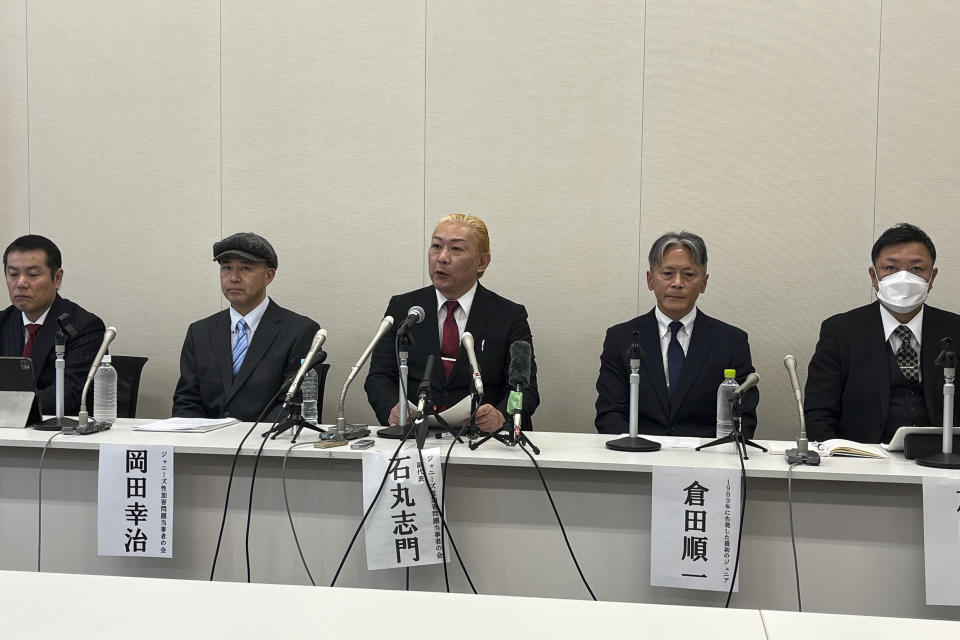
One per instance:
(873, 370)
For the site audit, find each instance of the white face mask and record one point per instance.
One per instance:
(902, 291)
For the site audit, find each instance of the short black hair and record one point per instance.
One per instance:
(902, 233)
(36, 243)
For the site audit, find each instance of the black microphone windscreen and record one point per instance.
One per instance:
(521, 357)
(635, 352)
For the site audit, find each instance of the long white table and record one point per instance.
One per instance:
(48, 605)
(859, 522)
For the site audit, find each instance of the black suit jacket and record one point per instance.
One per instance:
(848, 380)
(714, 346)
(206, 388)
(495, 323)
(81, 350)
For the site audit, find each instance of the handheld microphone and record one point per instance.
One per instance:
(518, 376)
(385, 325)
(467, 341)
(415, 315)
(108, 336)
(748, 384)
(309, 360)
(802, 454)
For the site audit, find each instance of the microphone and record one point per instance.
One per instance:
(518, 376)
(385, 325)
(415, 315)
(423, 391)
(467, 342)
(108, 336)
(635, 352)
(309, 360)
(748, 384)
(802, 454)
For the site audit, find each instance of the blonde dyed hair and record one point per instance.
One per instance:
(478, 230)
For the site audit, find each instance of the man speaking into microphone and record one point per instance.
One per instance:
(685, 352)
(234, 361)
(455, 303)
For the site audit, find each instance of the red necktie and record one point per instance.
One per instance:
(451, 339)
(32, 330)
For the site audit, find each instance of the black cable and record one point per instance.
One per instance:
(560, 522)
(253, 481)
(443, 491)
(793, 537)
(743, 509)
(443, 522)
(233, 467)
(286, 503)
(369, 508)
(407, 588)
(43, 454)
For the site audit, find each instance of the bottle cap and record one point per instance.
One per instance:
(729, 373)
(106, 359)
(302, 360)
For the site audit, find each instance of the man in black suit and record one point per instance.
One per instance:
(234, 361)
(33, 268)
(873, 370)
(458, 256)
(685, 352)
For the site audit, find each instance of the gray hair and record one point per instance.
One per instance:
(689, 241)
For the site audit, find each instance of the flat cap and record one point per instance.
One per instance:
(248, 246)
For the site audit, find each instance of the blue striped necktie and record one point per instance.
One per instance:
(240, 346)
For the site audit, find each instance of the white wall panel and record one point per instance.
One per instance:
(533, 124)
(759, 134)
(323, 155)
(124, 146)
(14, 207)
(919, 131)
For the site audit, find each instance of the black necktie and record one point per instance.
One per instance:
(906, 355)
(674, 356)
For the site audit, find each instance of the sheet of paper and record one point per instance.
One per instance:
(186, 424)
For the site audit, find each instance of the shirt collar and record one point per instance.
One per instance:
(466, 300)
(39, 320)
(252, 319)
(890, 323)
(663, 322)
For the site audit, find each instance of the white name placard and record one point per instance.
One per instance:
(694, 524)
(403, 529)
(135, 501)
(941, 539)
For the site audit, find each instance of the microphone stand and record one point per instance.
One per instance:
(946, 459)
(736, 436)
(507, 434)
(634, 442)
(294, 420)
(59, 423)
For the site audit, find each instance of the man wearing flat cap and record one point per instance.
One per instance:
(235, 361)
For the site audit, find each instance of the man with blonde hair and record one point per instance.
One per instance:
(455, 303)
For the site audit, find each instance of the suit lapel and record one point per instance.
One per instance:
(432, 335)
(221, 342)
(653, 358)
(878, 347)
(47, 337)
(263, 337)
(929, 350)
(700, 344)
(12, 333)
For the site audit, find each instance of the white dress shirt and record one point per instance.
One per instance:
(252, 319)
(460, 315)
(684, 334)
(890, 325)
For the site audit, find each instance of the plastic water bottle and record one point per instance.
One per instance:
(105, 392)
(309, 389)
(726, 389)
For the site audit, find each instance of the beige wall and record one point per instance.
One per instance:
(788, 134)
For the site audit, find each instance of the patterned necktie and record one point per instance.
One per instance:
(906, 355)
(32, 330)
(675, 356)
(451, 339)
(240, 346)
